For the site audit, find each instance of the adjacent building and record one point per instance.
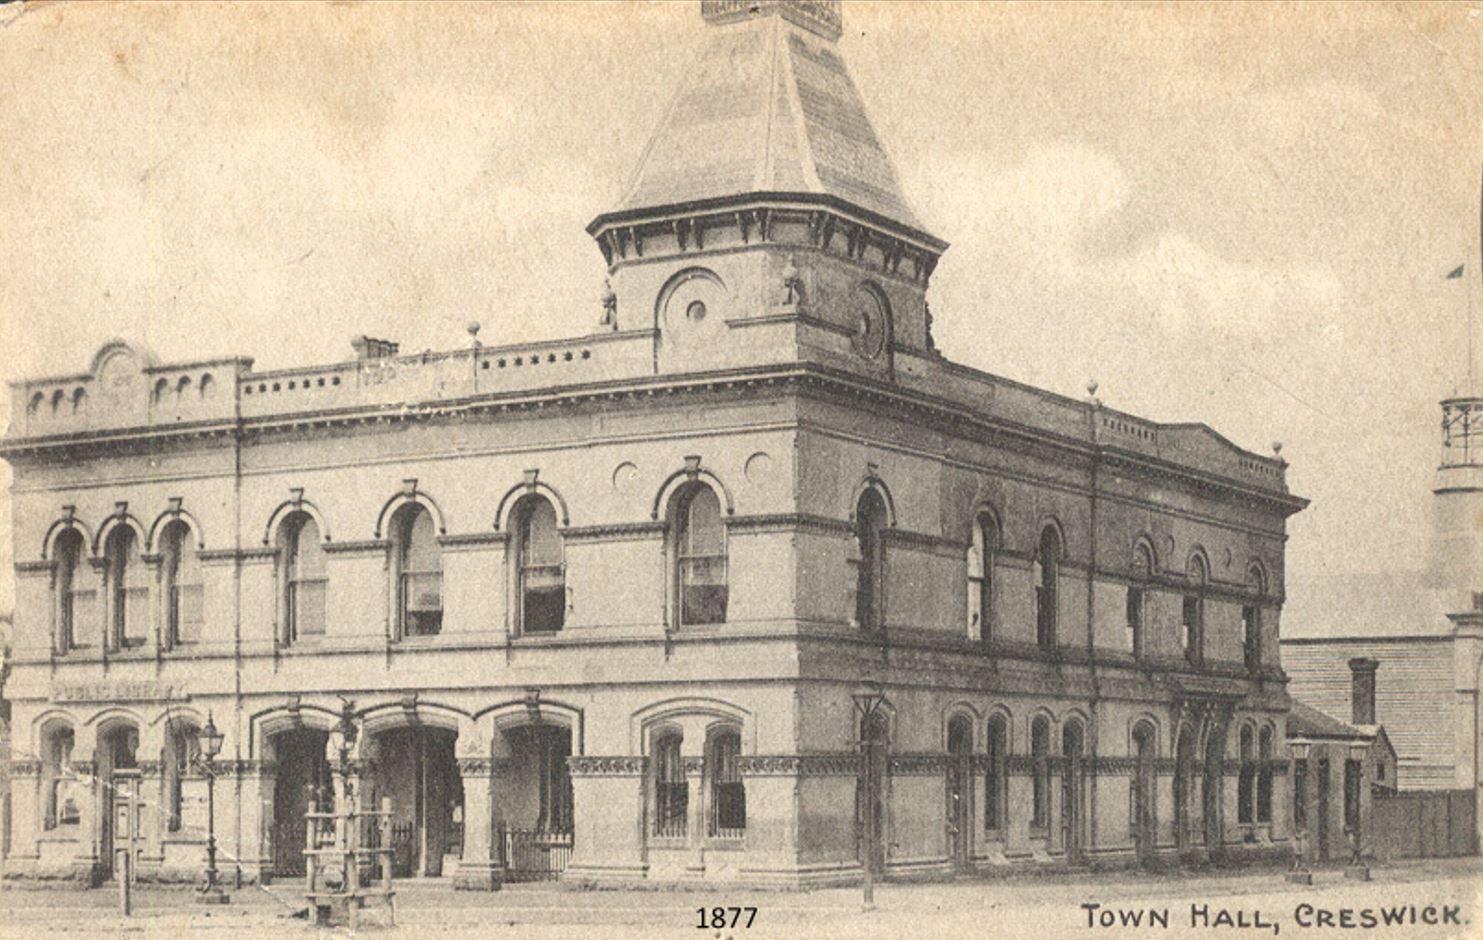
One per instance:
(716, 591)
(1424, 631)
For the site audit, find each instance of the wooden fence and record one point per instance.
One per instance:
(1423, 824)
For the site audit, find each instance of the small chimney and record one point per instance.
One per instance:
(1363, 672)
(368, 348)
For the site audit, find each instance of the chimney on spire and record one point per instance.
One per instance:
(821, 17)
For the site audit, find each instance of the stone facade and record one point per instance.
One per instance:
(629, 593)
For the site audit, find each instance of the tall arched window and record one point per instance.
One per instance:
(1040, 780)
(1264, 776)
(182, 751)
(419, 571)
(301, 555)
(1138, 598)
(671, 791)
(996, 803)
(1251, 621)
(180, 585)
(870, 581)
(728, 794)
(60, 805)
(128, 593)
(541, 591)
(700, 556)
(1193, 624)
(1047, 585)
(981, 579)
(1245, 783)
(74, 599)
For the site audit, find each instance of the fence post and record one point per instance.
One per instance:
(123, 872)
(385, 828)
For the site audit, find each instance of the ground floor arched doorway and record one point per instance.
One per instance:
(302, 777)
(118, 773)
(1184, 785)
(535, 834)
(414, 766)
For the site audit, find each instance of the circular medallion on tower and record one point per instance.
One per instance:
(866, 314)
(691, 307)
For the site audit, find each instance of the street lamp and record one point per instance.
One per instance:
(210, 740)
(867, 711)
(1300, 874)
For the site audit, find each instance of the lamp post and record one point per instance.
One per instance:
(210, 740)
(1357, 869)
(867, 711)
(1300, 873)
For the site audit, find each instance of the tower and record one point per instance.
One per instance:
(765, 222)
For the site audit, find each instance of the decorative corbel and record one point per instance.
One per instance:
(681, 229)
(533, 705)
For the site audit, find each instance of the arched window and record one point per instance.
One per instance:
(1047, 584)
(128, 593)
(671, 791)
(699, 556)
(182, 751)
(301, 556)
(541, 591)
(418, 564)
(61, 805)
(1251, 621)
(728, 794)
(981, 579)
(1264, 777)
(1193, 620)
(870, 580)
(180, 585)
(1245, 783)
(1073, 745)
(1040, 786)
(74, 599)
(1138, 598)
(996, 797)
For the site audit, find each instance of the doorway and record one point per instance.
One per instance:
(118, 770)
(960, 792)
(303, 777)
(1144, 825)
(1184, 773)
(1211, 793)
(416, 768)
(1072, 747)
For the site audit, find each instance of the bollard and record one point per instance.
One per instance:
(123, 873)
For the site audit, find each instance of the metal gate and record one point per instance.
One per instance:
(534, 854)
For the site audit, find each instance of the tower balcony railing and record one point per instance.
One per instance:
(1462, 432)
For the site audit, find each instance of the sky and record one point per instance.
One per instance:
(1234, 214)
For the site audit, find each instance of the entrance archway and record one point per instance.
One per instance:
(414, 765)
(1184, 784)
(1210, 787)
(960, 792)
(116, 756)
(1143, 822)
(535, 801)
(1072, 746)
(302, 777)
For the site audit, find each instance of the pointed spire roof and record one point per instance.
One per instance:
(768, 107)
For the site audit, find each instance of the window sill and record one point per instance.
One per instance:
(669, 842)
(726, 843)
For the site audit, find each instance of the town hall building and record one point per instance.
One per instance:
(748, 584)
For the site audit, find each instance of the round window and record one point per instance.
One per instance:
(695, 312)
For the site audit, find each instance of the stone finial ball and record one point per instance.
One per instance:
(473, 327)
